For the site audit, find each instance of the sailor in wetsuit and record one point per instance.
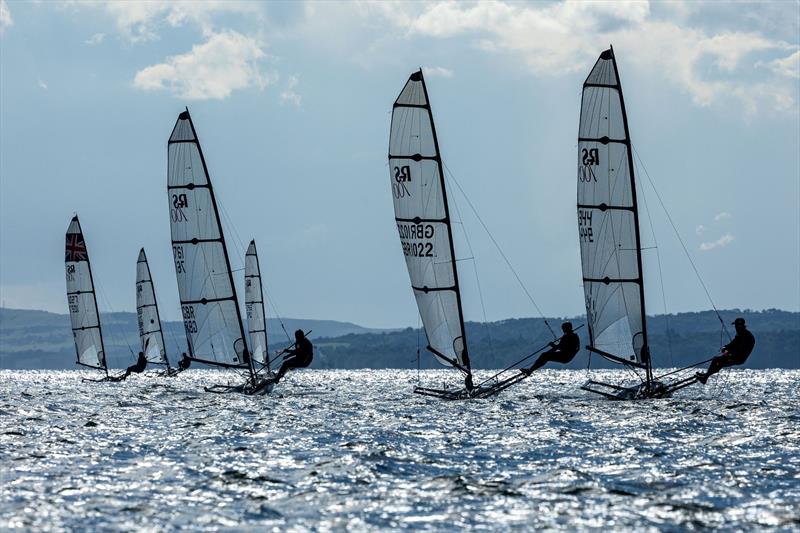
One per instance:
(299, 357)
(735, 352)
(561, 352)
(138, 367)
(184, 363)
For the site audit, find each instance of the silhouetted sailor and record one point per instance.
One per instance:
(138, 367)
(184, 363)
(735, 352)
(561, 352)
(299, 357)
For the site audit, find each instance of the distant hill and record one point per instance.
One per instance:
(692, 337)
(38, 339)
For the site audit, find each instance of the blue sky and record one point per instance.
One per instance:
(292, 105)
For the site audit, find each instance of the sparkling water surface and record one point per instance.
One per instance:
(334, 450)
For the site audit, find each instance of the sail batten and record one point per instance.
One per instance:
(254, 303)
(422, 218)
(210, 309)
(82, 299)
(151, 334)
(608, 219)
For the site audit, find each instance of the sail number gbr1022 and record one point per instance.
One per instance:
(417, 239)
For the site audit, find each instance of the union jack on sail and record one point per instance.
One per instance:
(76, 248)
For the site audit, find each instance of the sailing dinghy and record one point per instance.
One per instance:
(150, 333)
(609, 234)
(254, 303)
(423, 222)
(211, 315)
(82, 300)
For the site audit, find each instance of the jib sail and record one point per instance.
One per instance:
(608, 220)
(82, 300)
(423, 221)
(150, 333)
(211, 316)
(254, 303)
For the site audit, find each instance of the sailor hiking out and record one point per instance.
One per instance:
(184, 363)
(735, 352)
(136, 368)
(298, 357)
(562, 351)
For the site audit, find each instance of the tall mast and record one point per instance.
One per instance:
(223, 314)
(76, 254)
(254, 296)
(142, 304)
(608, 222)
(422, 216)
(645, 345)
(465, 353)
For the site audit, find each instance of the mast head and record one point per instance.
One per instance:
(184, 115)
(607, 54)
(416, 76)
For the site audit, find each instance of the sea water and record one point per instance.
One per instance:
(357, 450)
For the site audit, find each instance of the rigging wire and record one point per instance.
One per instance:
(240, 246)
(500, 250)
(475, 268)
(683, 244)
(660, 278)
(114, 327)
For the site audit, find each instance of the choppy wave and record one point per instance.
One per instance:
(357, 450)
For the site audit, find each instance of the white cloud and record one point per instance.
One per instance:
(288, 95)
(440, 72)
(719, 243)
(42, 85)
(226, 62)
(5, 16)
(700, 229)
(722, 216)
(788, 66)
(97, 38)
(564, 37)
(140, 21)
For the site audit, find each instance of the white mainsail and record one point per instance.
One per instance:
(82, 300)
(254, 303)
(211, 316)
(150, 332)
(608, 221)
(423, 222)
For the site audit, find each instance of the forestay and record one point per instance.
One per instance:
(211, 316)
(82, 300)
(150, 333)
(608, 218)
(254, 303)
(423, 221)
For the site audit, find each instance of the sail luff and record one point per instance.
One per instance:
(77, 253)
(645, 351)
(97, 309)
(254, 303)
(215, 301)
(146, 299)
